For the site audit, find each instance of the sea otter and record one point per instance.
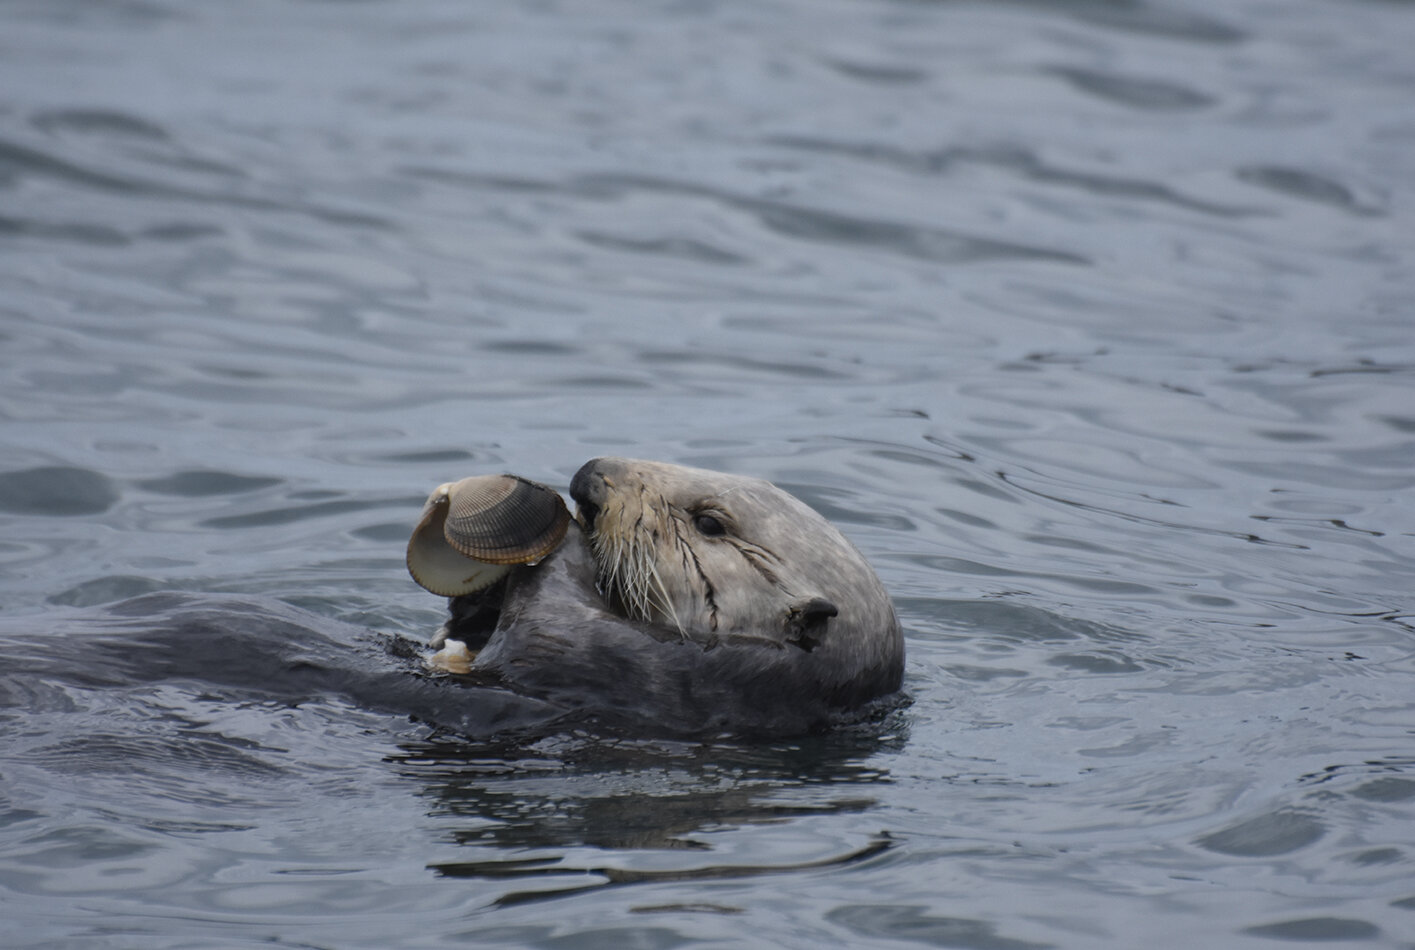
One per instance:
(680, 601)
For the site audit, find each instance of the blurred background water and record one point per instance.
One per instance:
(1092, 322)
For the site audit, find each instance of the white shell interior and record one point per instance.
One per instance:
(435, 564)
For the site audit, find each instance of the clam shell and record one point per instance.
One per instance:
(474, 531)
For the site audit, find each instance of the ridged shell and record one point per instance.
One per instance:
(505, 519)
(473, 531)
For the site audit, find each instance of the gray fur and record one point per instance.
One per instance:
(778, 626)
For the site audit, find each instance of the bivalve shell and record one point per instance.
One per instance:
(472, 532)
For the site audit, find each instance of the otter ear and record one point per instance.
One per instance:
(805, 622)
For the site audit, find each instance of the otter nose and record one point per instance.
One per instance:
(589, 490)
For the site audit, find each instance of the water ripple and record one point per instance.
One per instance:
(1135, 92)
(1016, 161)
(1087, 321)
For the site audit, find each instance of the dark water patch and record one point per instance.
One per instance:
(683, 248)
(914, 924)
(94, 235)
(887, 74)
(1136, 16)
(965, 518)
(477, 181)
(242, 373)
(56, 490)
(89, 382)
(181, 231)
(984, 674)
(1290, 435)
(192, 163)
(532, 348)
(15, 816)
(1386, 790)
(1057, 541)
(1110, 662)
(1363, 366)
(315, 494)
(1317, 930)
(202, 483)
(797, 371)
(388, 532)
(1280, 832)
(1306, 186)
(1378, 856)
(607, 383)
(430, 455)
(1398, 423)
(1101, 585)
(17, 161)
(1151, 95)
(916, 241)
(99, 121)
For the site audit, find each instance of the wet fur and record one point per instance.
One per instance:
(558, 642)
(778, 626)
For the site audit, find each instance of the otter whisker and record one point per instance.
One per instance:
(627, 572)
(667, 601)
(646, 578)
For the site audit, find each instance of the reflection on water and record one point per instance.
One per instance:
(1088, 321)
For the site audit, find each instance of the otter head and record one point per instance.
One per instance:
(714, 555)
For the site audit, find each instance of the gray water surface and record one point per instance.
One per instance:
(1091, 323)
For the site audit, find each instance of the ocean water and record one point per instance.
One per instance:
(1091, 322)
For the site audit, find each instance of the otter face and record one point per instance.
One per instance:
(710, 554)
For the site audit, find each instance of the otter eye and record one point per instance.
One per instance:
(709, 526)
